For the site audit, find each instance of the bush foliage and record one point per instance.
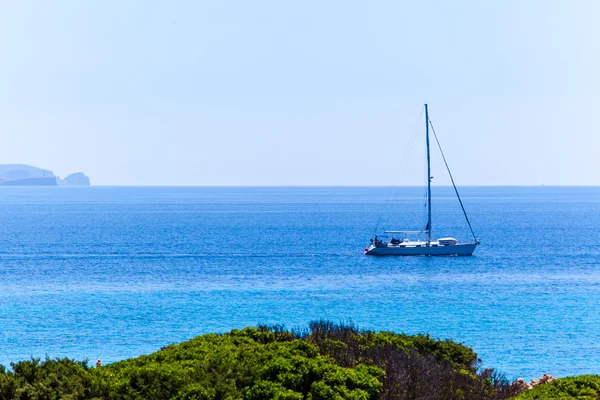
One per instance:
(325, 361)
(578, 387)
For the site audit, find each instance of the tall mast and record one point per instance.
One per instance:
(428, 175)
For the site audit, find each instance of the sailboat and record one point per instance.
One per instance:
(441, 247)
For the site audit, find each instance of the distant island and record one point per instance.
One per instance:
(26, 175)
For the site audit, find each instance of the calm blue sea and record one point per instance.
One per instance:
(110, 273)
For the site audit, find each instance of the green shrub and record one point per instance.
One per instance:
(327, 361)
(580, 387)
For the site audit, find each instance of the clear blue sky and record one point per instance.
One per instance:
(301, 93)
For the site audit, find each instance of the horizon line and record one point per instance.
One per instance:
(326, 186)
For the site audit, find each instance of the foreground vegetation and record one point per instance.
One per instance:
(578, 387)
(326, 361)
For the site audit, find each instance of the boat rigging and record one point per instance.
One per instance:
(440, 247)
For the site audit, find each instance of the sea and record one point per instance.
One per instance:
(116, 272)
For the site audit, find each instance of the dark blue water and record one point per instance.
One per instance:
(112, 273)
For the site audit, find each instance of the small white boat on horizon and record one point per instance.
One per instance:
(428, 247)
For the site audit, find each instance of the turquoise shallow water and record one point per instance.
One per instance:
(112, 273)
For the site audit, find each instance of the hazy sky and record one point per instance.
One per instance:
(301, 93)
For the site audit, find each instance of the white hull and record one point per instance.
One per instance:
(422, 249)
